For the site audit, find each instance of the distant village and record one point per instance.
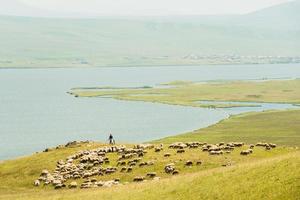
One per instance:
(241, 59)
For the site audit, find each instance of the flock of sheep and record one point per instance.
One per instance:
(88, 164)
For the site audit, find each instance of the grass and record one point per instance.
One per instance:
(281, 127)
(27, 169)
(271, 178)
(189, 94)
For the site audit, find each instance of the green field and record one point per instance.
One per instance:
(264, 174)
(281, 127)
(189, 93)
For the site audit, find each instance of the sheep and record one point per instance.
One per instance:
(180, 151)
(138, 179)
(246, 152)
(123, 169)
(189, 163)
(228, 148)
(238, 144)
(110, 170)
(93, 180)
(175, 172)
(215, 152)
(36, 183)
(121, 163)
(204, 149)
(178, 145)
(199, 162)
(221, 144)
(151, 174)
(169, 168)
(144, 146)
(73, 185)
(131, 164)
(157, 149)
(44, 172)
(137, 160)
(167, 155)
(142, 164)
(129, 169)
(86, 185)
(59, 186)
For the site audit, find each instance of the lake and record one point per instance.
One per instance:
(36, 112)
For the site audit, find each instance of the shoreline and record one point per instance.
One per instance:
(146, 66)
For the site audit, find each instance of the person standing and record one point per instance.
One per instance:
(111, 139)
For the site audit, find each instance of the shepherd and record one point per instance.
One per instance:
(111, 139)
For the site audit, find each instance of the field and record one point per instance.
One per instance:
(264, 174)
(189, 93)
(281, 127)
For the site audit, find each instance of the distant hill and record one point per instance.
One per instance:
(285, 16)
(50, 42)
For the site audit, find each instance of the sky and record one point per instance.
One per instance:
(61, 8)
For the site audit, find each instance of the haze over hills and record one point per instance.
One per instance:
(180, 40)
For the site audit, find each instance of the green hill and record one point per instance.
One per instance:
(50, 42)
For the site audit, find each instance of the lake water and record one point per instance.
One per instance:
(36, 112)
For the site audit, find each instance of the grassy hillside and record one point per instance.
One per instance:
(281, 127)
(271, 178)
(42, 42)
(189, 93)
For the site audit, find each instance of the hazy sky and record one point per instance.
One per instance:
(132, 7)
